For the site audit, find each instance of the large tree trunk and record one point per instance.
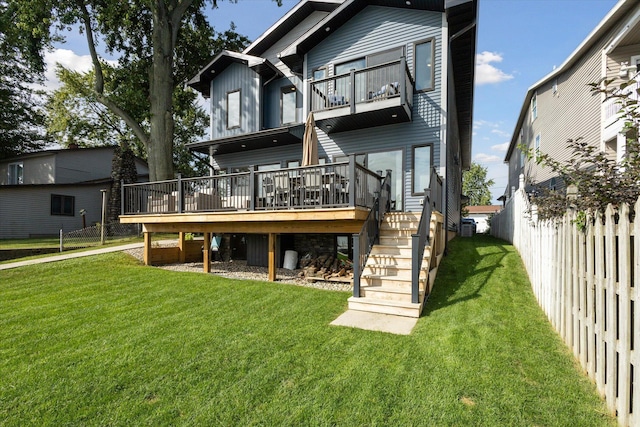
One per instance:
(160, 153)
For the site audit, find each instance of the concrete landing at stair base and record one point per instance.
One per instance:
(376, 322)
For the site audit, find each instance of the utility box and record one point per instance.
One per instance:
(466, 230)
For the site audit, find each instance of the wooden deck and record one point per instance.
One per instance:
(336, 220)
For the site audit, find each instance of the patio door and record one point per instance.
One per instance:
(389, 160)
(381, 161)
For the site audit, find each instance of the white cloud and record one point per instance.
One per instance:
(68, 59)
(486, 158)
(501, 133)
(501, 147)
(486, 73)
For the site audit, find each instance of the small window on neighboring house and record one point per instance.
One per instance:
(423, 65)
(62, 205)
(537, 147)
(534, 107)
(233, 109)
(552, 184)
(16, 173)
(421, 169)
(288, 100)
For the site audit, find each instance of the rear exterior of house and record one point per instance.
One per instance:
(561, 106)
(43, 192)
(404, 112)
(389, 85)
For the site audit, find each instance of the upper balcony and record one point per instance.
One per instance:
(611, 110)
(372, 96)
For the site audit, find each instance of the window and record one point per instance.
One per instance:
(534, 107)
(345, 67)
(421, 168)
(62, 205)
(319, 74)
(15, 173)
(233, 109)
(537, 147)
(423, 65)
(288, 100)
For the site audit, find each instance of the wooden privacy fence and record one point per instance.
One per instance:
(587, 282)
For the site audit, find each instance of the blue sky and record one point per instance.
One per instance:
(519, 42)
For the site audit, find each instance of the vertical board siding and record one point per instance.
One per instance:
(586, 281)
(235, 77)
(272, 107)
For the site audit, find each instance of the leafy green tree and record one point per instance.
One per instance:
(21, 116)
(476, 186)
(159, 44)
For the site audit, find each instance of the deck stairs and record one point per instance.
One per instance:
(386, 278)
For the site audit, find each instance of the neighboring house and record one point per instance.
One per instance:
(390, 86)
(561, 106)
(43, 192)
(482, 215)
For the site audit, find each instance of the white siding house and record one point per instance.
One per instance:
(43, 192)
(561, 106)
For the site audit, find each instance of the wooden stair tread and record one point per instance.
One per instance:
(389, 289)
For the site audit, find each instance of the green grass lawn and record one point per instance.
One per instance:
(105, 341)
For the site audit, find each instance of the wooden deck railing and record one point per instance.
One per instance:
(333, 185)
(368, 85)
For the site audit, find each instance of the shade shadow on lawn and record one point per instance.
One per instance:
(106, 341)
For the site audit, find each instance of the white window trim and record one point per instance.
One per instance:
(534, 106)
(20, 179)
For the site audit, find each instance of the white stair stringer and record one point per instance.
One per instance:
(386, 278)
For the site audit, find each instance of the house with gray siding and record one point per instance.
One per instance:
(561, 105)
(389, 85)
(43, 192)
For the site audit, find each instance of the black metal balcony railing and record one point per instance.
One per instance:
(372, 84)
(334, 185)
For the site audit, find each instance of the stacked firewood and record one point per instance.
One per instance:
(325, 267)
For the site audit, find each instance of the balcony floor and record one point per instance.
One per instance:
(334, 220)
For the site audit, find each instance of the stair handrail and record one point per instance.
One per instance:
(420, 239)
(370, 231)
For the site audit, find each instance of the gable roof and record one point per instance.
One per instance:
(619, 12)
(201, 81)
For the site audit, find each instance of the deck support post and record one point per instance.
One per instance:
(206, 253)
(182, 246)
(272, 257)
(146, 256)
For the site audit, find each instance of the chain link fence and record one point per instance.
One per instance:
(96, 236)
